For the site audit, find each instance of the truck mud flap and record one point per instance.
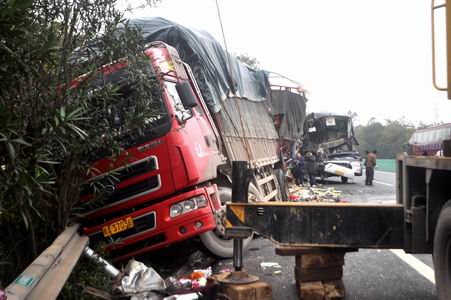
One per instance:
(347, 225)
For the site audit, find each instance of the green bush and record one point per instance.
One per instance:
(49, 130)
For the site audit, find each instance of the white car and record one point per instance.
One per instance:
(350, 160)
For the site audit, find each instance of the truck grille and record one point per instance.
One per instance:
(137, 168)
(106, 183)
(130, 192)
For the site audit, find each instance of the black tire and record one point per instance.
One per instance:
(217, 245)
(344, 179)
(442, 253)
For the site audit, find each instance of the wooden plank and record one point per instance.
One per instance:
(311, 290)
(270, 196)
(306, 275)
(315, 261)
(334, 290)
(265, 180)
(253, 291)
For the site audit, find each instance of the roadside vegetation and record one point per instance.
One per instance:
(49, 129)
(387, 138)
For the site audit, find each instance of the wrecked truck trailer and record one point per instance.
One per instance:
(288, 104)
(330, 137)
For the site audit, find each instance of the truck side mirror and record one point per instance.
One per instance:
(186, 94)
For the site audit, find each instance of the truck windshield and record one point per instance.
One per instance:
(328, 129)
(119, 116)
(156, 125)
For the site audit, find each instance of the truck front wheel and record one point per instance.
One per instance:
(214, 241)
(442, 253)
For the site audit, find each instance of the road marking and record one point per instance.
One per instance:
(392, 173)
(388, 184)
(416, 264)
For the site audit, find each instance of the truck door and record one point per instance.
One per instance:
(192, 138)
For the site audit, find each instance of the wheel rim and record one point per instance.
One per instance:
(220, 217)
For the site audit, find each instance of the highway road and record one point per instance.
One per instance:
(368, 274)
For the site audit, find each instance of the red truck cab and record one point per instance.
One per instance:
(161, 191)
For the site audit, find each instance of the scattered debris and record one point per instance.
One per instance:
(316, 194)
(197, 260)
(265, 265)
(142, 282)
(199, 281)
(277, 272)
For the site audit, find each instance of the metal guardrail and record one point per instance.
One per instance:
(46, 276)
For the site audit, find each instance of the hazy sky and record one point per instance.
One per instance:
(372, 57)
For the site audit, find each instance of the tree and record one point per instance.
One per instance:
(252, 62)
(49, 129)
(369, 135)
(387, 139)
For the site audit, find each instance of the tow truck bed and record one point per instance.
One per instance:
(337, 225)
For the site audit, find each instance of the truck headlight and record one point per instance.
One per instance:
(189, 205)
(182, 207)
(176, 209)
(200, 201)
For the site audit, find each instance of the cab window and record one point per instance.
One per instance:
(181, 113)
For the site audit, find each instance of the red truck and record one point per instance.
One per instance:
(171, 183)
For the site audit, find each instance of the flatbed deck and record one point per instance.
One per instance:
(346, 225)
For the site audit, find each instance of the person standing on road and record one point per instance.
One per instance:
(298, 169)
(369, 170)
(366, 156)
(310, 166)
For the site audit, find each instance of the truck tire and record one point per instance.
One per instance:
(344, 179)
(213, 242)
(442, 253)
